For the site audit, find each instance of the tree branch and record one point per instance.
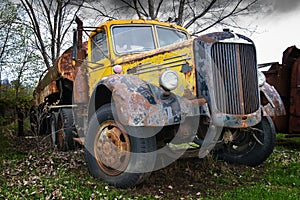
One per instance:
(233, 12)
(201, 14)
(180, 12)
(151, 8)
(135, 7)
(93, 8)
(142, 7)
(158, 8)
(36, 28)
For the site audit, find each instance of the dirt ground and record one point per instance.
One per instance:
(187, 177)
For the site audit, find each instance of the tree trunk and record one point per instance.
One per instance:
(151, 8)
(180, 12)
(20, 114)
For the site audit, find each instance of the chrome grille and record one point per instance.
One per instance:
(235, 78)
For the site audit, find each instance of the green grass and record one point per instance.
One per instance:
(64, 175)
(281, 177)
(280, 181)
(261, 191)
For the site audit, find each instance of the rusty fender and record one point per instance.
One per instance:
(139, 103)
(275, 106)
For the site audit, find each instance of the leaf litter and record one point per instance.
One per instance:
(42, 171)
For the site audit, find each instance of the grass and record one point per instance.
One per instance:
(51, 174)
(280, 179)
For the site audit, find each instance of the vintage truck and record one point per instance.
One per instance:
(139, 90)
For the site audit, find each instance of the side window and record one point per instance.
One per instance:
(99, 46)
(168, 36)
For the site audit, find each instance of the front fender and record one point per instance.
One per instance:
(275, 107)
(139, 103)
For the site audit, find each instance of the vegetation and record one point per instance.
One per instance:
(31, 171)
(20, 65)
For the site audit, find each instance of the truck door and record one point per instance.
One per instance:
(99, 64)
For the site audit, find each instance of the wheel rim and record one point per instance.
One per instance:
(243, 142)
(112, 148)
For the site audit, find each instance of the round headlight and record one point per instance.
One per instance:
(261, 78)
(169, 80)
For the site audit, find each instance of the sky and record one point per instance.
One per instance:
(277, 29)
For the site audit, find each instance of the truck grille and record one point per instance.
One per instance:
(235, 78)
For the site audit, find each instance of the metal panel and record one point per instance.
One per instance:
(286, 79)
(279, 76)
(234, 72)
(294, 125)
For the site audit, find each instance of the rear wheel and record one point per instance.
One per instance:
(65, 130)
(115, 156)
(250, 146)
(53, 127)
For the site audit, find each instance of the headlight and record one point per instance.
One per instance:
(261, 78)
(169, 80)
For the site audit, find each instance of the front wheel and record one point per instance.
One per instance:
(250, 146)
(114, 155)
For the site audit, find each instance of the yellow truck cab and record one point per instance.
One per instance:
(132, 46)
(138, 88)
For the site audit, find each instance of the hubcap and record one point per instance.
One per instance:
(112, 148)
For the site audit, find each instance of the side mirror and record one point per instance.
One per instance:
(77, 41)
(75, 46)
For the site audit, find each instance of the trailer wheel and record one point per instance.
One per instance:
(250, 146)
(53, 127)
(65, 130)
(115, 156)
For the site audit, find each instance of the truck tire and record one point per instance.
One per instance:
(53, 127)
(251, 146)
(65, 130)
(114, 156)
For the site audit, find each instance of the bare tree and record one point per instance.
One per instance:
(51, 21)
(219, 12)
(195, 15)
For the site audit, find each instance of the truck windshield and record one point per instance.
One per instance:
(167, 36)
(132, 39)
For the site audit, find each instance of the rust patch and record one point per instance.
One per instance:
(65, 67)
(81, 87)
(142, 104)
